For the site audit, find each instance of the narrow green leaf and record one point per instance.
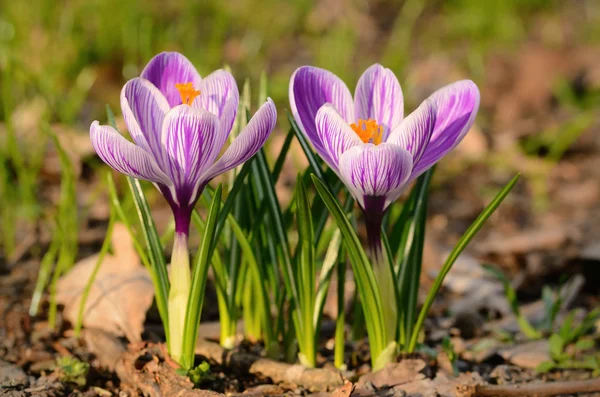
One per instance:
(511, 295)
(458, 249)
(307, 272)
(331, 259)
(556, 344)
(199, 276)
(249, 257)
(408, 278)
(279, 232)
(44, 273)
(363, 273)
(88, 286)
(155, 249)
(116, 203)
(545, 366)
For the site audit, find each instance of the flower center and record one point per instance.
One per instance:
(368, 131)
(187, 92)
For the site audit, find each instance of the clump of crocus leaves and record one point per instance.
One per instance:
(179, 123)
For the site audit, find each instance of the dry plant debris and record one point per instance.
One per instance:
(120, 295)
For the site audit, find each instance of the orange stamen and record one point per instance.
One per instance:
(368, 131)
(187, 92)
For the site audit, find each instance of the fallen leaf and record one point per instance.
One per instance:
(120, 295)
(394, 374)
(343, 391)
(527, 355)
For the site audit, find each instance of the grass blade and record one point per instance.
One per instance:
(199, 276)
(458, 249)
(279, 232)
(410, 270)
(306, 270)
(88, 286)
(363, 273)
(160, 278)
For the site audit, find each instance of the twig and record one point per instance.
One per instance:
(530, 389)
(310, 378)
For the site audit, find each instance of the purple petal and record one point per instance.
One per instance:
(144, 109)
(335, 135)
(219, 95)
(311, 88)
(167, 69)
(250, 140)
(124, 156)
(188, 136)
(216, 90)
(378, 96)
(414, 132)
(372, 171)
(457, 106)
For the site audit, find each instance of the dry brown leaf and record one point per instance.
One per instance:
(394, 374)
(343, 391)
(528, 354)
(120, 295)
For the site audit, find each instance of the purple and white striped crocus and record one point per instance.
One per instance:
(374, 150)
(179, 122)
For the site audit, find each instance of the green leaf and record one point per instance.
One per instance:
(556, 344)
(88, 286)
(306, 271)
(545, 366)
(458, 249)
(279, 233)
(159, 275)
(511, 295)
(587, 324)
(199, 276)
(363, 273)
(331, 259)
(408, 278)
(585, 344)
(551, 305)
(246, 247)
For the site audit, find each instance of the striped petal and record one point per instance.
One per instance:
(124, 156)
(167, 69)
(188, 136)
(335, 135)
(414, 132)
(216, 90)
(457, 106)
(372, 171)
(250, 140)
(311, 88)
(378, 96)
(144, 109)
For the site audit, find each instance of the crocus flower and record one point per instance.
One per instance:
(179, 122)
(366, 141)
(374, 150)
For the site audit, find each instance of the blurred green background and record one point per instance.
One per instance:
(76, 54)
(536, 62)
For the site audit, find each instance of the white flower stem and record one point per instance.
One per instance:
(180, 277)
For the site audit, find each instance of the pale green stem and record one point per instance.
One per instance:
(180, 278)
(385, 281)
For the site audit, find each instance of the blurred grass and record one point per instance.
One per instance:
(61, 51)
(74, 55)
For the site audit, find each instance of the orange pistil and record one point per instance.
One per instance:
(187, 92)
(368, 131)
